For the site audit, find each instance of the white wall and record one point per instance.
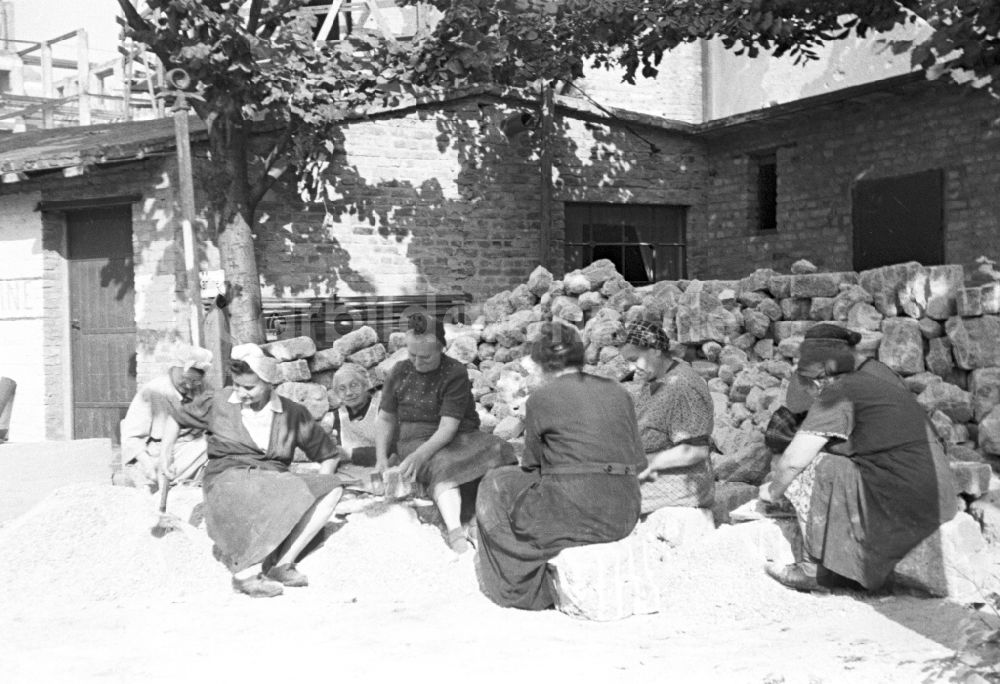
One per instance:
(21, 313)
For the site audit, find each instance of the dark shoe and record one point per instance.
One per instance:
(288, 575)
(798, 576)
(457, 541)
(257, 586)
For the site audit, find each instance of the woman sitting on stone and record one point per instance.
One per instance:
(877, 492)
(356, 420)
(676, 414)
(260, 515)
(428, 413)
(577, 481)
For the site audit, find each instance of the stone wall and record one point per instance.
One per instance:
(822, 153)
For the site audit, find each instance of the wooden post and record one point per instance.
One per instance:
(186, 187)
(545, 164)
(83, 76)
(48, 115)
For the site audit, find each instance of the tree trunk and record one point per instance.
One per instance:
(236, 248)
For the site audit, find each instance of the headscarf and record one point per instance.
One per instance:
(187, 357)
(422, 324)
(826, 349)
(264, 366)
(647, 335)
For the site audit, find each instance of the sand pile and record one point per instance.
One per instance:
(93, 543)
(384, 553)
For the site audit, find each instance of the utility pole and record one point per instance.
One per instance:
(545, 164)
(179, 81)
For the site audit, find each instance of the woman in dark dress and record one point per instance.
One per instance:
(878, 491)
(577, 481)
(428, 413)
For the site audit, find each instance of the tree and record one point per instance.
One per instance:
(255, 67)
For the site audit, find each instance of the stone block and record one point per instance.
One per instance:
(733, 357)
(486, 351)
(397, 340)
(984, 386)
(614, 285)
(750, 300)
(608, 354)
(369, 356)
(951, 400)
(795, 309)
(522, 298)
(784, 329)
(746, 341)
(624, 299)
(870, 342)
(510, 427)
(780, 286)
(616, 369)
(567, 308)
(539, 281)
(356, 340)
(701, 317)
(294, 371)
(771, 540)
(758, 281)
(943, 282)
(711, 350)
(902, 347)
(989, 432)
(591, 301)
(986, 511)
(971, 479)
(821, 309)
(676, 526)
(963, 452)
(778, 368)
(576, 283)
(990, 297)
(864, 316)
(311, 395)
(771, 309)
(820, 284)
(599, 272)
(497, 307)
(291, 349)
(742, 455)
(728, 497)
(939, 358)
(705, 369)
(607, 581)
(974, 341)
(969, 302)
(930, 328)
(764, 349)
(803, 267)
(850, 294)
(789, 347)
(953, 562)
(326, 359)
(464, 349)
(887, 282)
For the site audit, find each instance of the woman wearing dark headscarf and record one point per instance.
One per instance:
(878, 491)
(428, 413)
(675, 413)
(576, 484)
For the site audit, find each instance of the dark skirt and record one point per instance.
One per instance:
(250, 511)
(525, 520)
(862, 523)
(468, 456)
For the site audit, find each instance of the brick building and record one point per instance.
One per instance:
(432, 197)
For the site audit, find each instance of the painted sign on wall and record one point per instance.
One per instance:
(21, 298)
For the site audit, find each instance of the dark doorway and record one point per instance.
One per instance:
(646, 242)
(102, 318)
(899, 219)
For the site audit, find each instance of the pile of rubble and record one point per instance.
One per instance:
(929, 324)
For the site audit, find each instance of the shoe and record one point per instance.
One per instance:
(287, 575)
(457, 541)
(798, 576)
(257, 586)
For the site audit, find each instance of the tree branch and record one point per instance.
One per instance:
(271, 172)
(132, 16)
(254, 20)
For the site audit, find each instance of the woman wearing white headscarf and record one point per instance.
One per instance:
(260, 515)
(356, 420)
(142, 457)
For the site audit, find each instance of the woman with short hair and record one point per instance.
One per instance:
(676, 414)
(576, 483)
(429, 428)
(356, 419)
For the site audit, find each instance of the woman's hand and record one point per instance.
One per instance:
(410, 465)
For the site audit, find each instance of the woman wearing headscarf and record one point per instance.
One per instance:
(675, 413)
(427, 411)
(576, 483)
(260, 515)
(356, 420)
(878, 489)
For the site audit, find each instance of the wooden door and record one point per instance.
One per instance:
(102, 318)
(899, 219)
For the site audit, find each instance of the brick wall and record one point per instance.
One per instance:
(438, 199)
(822, 153)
